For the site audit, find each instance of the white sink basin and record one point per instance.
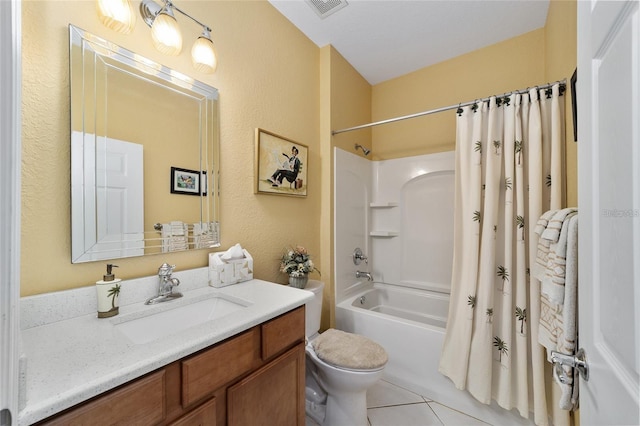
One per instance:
(165, 320)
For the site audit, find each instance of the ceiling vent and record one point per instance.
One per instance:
(325, 8)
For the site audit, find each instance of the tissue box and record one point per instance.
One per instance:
(226, 272)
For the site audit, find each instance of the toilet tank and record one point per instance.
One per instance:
(313, 308)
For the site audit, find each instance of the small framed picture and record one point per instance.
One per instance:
(184, 181)
(280, 165)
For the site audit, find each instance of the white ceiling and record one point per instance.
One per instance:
(384, 39)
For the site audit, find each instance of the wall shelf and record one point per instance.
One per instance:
(383, 234)
(383, 205)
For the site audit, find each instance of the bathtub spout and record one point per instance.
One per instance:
(362, 274)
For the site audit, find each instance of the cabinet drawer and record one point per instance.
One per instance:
(207, 371)
(137, 403)
(282, 332)
(204, 415)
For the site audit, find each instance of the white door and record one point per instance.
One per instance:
(119, 199)
(107, 198)
(609, 204)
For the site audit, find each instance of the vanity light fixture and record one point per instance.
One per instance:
(165, 32)
(117, 15)
(167, 38)
(203, 56)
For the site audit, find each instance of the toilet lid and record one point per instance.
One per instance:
(349, 350)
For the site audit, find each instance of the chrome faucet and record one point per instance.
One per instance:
(165, 288)
(363, 274)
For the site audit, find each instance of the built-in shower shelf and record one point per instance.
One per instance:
(383, 234)
(383, 205)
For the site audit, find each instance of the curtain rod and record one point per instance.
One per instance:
(433, 111)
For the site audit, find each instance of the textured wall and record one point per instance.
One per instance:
(268, 77)
(560, 62)
(509, 65)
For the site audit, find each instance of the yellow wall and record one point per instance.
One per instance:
(268, 77)
(510, 65)
(560, 62)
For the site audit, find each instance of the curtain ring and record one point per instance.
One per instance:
(459, 110)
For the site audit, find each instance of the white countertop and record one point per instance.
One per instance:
(75, 358)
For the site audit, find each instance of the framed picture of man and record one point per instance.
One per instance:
(280, 165)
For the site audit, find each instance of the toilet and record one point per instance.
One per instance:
(340, 367)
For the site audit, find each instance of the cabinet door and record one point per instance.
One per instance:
(212, 368)
(138, 403)
(273, 395)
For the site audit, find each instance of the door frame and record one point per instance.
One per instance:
(10, 199)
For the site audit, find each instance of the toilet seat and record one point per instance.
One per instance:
(311, 352)
(348, 351)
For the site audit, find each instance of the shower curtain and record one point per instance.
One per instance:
(508, 172)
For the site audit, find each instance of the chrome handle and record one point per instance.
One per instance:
(579, 362)
(358, 257)
(165, 269)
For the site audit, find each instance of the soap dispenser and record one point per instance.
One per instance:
(108, 293)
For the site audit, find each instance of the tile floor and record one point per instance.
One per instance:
(391, 405)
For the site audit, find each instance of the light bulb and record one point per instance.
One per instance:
(116, 15)
(203, 56)
(165, 34)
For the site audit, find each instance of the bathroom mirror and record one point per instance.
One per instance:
(144, 155)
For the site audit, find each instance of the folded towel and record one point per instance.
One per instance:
(205, 234)
(570, 394)
(174, 236)
(550, 256)
(558, 298)
(553, 228)
(554, 279)
(538, 269)
(541, 225)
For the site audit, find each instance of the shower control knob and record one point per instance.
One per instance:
(358, 257)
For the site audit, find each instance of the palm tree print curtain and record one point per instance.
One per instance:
(508, 172)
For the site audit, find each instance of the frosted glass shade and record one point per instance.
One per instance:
(165, 34)
(203, 56)
(116, 15)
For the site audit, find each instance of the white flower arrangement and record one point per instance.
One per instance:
(297, 262)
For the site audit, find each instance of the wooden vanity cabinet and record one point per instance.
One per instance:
(253, 378)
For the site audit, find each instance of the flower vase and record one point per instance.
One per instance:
(298, 282)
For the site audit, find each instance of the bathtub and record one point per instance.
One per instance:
(410, 324)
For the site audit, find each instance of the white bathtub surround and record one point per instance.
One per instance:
(71, 355)
(508, 173)
(400, 213)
